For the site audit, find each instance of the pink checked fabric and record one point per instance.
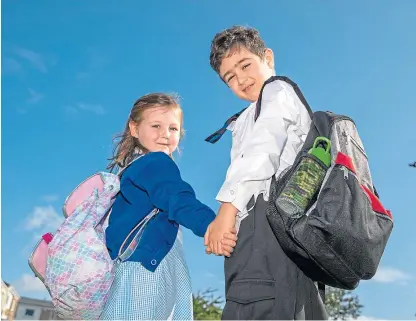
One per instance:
(79, 270)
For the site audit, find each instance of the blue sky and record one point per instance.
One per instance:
(71, 70)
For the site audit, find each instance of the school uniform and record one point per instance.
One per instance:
(261, 282)
(153, 282)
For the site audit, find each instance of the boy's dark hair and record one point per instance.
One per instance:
(228, 40)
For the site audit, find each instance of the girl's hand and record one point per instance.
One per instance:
(221, 235)
(228, 243)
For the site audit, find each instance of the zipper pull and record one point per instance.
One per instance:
(345, 170)
(344, 133)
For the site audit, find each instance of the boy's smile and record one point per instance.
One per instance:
(245, 72)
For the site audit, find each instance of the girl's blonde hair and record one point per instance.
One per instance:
(125, 145)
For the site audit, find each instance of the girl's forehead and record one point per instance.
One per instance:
(163, 112)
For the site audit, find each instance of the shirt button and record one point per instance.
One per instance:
(232, 192)
(153, 262)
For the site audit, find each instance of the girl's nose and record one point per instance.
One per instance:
(165, 133)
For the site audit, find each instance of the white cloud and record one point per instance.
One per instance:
(10, 66)
(43, 218)
(34, 97)
(29, 283)
(34, 58)
(83, 107)
(209, 275)
(96, 109)
(390, 275)
(21, 110)
(70, 110)
(50, 198)
(96, 60)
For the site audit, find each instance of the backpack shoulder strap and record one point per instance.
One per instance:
(295, 88)
(121, 171)
(214, 137)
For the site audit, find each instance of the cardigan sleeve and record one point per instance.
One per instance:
(159, 176)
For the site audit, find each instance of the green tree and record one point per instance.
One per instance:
(207, 306)
(342, 304)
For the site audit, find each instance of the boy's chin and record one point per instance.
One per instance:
(250, 98)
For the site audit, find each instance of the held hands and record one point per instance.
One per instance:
(221, 235)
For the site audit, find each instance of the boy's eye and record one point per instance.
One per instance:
(156, 126)
(174, 129)
(230, 78)
(246, 66)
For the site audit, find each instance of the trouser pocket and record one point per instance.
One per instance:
(250, 299)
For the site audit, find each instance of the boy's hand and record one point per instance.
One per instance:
(228, 243)
(221, 235)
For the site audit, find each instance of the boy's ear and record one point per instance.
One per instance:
(269, 57)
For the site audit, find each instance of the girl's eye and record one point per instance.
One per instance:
(246, 66)
(156, 126)
(174, 129)
(231, 78)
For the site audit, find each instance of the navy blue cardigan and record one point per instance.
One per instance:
(153, 181)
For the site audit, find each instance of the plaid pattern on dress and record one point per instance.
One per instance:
(138, 294)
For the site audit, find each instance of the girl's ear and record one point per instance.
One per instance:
(133, 129)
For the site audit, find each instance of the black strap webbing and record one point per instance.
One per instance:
(295, 88)
(213, 138)
(216, 136)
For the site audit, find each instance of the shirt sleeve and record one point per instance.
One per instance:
(159, 176)
(281, 112)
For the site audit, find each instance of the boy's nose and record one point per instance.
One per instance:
(241, 79)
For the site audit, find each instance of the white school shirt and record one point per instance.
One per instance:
(263, 148)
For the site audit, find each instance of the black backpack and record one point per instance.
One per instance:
(336, 232)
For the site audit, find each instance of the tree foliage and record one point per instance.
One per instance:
(207, 306)
(340, 304)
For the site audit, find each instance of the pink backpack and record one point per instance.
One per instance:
(74, 264)
(39, 257)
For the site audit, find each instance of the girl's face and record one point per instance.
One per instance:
(159, 129)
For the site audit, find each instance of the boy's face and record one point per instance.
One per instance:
(245, 73)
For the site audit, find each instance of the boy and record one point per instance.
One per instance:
(261, 281)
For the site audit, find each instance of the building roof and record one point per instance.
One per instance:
(10, 288)
(31, 301)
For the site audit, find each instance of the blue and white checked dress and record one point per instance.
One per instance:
(138, 294)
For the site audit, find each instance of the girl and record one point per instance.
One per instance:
(153, 282)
